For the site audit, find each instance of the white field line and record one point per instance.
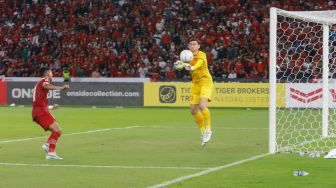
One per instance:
(104, 166)
(243, 128)
(207, 171)
(118, 128)
(79, 133)
(222, 128)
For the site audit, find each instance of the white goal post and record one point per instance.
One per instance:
(302, 115)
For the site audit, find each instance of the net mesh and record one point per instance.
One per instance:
(299, 70)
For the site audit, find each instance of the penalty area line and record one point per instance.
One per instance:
(79, 133)
(103, 166)
(207, 171)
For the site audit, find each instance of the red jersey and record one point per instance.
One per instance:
(40, 99)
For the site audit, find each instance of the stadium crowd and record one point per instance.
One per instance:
(137, 38)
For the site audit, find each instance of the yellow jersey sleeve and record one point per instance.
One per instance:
(200, 74)
(198, 64)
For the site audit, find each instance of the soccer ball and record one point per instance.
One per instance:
(186, 56)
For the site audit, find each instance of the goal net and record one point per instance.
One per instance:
(302, 81)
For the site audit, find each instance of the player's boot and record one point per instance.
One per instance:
(45, 147)
(207, 137)
(203, 138)
(53, 156)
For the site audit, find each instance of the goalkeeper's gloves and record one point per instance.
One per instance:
(188, 67)
(179, 65)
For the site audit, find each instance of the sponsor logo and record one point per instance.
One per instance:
(23, 93)
(311, 96)
(84, 93)
(305, 97)
(167, 94)
(333, 94)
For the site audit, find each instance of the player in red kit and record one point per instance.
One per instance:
(40, 112)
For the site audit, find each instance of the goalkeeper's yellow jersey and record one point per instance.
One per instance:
(200, 74)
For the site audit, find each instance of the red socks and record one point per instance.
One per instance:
(52, 140)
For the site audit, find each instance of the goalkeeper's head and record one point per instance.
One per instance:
(194, 45)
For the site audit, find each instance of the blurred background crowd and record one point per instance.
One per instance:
(138, 38)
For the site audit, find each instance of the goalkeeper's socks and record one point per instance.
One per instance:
(206, 117)
(200, 121)
(52, 141)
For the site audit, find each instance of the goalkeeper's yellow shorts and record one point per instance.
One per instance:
(201, 91)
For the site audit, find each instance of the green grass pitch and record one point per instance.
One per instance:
(142, 147)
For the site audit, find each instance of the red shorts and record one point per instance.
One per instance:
(45, 120)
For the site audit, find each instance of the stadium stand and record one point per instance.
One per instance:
(138, 38)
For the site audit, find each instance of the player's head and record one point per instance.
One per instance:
(45, 72)
(194, 45)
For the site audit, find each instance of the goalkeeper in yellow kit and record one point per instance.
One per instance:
(201, 89)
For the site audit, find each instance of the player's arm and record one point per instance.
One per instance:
(53, 107)
(197, 65)
(47, 85)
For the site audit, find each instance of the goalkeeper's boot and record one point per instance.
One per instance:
(53, 156)
(202, 138)
(207, 137)
(45, 147)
